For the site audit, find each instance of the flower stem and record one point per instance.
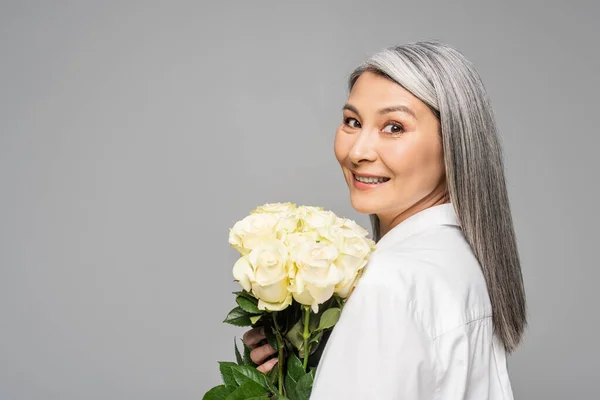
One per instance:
(280, 353)
(306, 335)
(339, 301)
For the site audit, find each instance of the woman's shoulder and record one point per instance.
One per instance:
(438, 273)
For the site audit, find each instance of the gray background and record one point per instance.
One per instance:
(133, 136)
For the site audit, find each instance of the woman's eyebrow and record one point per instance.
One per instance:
(385, 110)
(403, 109)
(351, 108)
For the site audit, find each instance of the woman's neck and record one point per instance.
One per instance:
(387, 223)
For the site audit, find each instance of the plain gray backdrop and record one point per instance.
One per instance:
(133, 135)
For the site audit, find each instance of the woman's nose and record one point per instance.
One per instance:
(364, 147)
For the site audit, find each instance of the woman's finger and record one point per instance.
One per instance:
(266, 367)
(259, 354)
(253, 336)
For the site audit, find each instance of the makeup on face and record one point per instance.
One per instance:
(368, 181)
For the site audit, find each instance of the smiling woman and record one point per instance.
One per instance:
(441, 301)
(390, 151)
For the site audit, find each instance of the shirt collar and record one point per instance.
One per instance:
(441, 214)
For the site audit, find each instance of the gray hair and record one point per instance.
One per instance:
(442, 77)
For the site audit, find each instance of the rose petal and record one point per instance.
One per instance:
(264, 305)
(320, 294)
(242, 272)
(335, 275)
(315, 307)
(303, 298)
(273, 293)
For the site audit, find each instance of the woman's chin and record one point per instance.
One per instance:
(363, 207)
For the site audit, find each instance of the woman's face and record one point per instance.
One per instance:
(387, 132)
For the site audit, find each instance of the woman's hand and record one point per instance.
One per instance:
(252, 338)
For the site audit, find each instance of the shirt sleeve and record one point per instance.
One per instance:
(463, 362)
(377, 350)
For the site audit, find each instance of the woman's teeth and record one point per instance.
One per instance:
(370, 179)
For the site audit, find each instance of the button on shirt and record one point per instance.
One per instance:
(418, 325)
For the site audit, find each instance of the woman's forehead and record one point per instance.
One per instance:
(373, 93)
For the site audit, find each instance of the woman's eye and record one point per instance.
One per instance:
(395, 128)
(348, 121)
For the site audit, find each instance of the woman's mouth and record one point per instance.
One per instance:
(368, 182)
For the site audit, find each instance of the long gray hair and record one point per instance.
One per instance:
(442, 77)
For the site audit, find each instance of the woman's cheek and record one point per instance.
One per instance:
(340, 146)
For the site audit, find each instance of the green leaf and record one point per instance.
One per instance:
(227, 373)
(217, 393)
(238, 356)
(295, 371)
(244, 373)
(265, 397)
(247, 305)
(304, 386)
(311, 346)
(315, 338)
(315, 357)
(295, 368)
(246, 357)
(329, 318)
(254, 319)
(248, 390)
(277, 396)
(271, 339)
(273, 374)
(301, 351)
(238, 317)
(247, 295)
(270, 378)
(290, 387)
(295, 335)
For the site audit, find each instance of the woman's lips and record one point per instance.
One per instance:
(366, 186)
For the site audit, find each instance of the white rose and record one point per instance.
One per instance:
(315, 275)
(354, 251)
(264, 273)
(287, 223)
(353, 226)
(348, 241)
(316, 218)
(250, 231)
(274, 208)
(349, 265)
(345, 287)
(292, 240)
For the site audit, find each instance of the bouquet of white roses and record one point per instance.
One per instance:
(298, 265)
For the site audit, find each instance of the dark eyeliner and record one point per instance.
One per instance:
(398, 125)
(346, 119)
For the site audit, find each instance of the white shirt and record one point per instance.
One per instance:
(418, 325)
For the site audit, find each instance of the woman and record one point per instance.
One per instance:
(442, 300)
